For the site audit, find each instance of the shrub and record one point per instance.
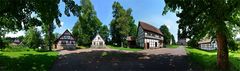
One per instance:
(18, 48)
(3, 43)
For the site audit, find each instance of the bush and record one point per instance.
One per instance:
(3, 43)
(192, 43)
(42, 50)
(18, 48)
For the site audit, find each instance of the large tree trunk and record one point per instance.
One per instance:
(49, 37)
(222, 52)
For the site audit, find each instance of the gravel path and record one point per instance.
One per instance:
(180, 51)
(165, 59)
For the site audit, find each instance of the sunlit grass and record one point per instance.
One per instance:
(207, 59)
(172, 46)
(27, 60)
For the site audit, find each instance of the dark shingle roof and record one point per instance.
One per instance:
(66, 31)
(148, 27)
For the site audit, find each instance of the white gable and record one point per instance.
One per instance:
(97, 38)
(98, 42)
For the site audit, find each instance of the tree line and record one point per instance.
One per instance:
(88, 25)
(47, 16)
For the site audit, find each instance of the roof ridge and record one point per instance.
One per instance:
(145, 26)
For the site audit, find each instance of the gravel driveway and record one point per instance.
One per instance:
(180, 51)
(165, 59)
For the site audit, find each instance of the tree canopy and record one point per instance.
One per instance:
(16, 15)
(88, 24)
(104, 33)
(33, 38)
(166, 34)
(213, 17)
(122, 24)
(173, 40)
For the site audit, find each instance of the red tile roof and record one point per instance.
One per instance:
(148, 27)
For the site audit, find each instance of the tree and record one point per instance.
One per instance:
(121, 23)
(15, 15)
(166, 34)
(20, 38)
(104, 32)
(12, 14)
(213, 17)
(56, 35)
(88, 24)
(77, 30)
(132, 26)
(173, 40)
(133, 29)
(33, 38)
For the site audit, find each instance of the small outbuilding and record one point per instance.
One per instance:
(207, 44)
(131, 41)
(98, 42)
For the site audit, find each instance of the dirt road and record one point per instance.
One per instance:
(164, 59)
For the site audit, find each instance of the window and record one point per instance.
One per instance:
(66, 37)
(63, 42)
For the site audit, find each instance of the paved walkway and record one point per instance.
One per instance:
(165, 59)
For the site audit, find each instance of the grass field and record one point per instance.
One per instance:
(27, 60)
(207, 59)
(172, 46)
(126, 49)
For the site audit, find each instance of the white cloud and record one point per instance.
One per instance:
(62, 23)
(15, 34)
(33, 14)
(238, 36)
(39, 28)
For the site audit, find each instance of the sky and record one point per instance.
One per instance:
(149, 11)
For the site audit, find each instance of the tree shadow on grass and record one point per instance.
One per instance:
(207, 62)
(27, 62)
(120, 61)
(234, 63)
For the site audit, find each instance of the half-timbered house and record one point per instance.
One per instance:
(149, 36)
(65, 41)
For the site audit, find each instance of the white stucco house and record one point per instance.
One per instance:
(98, 42)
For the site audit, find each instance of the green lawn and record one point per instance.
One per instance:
(207, 59)
(27, 60)
(172, 46)
(126, 49)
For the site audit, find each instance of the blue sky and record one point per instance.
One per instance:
(149, 11)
